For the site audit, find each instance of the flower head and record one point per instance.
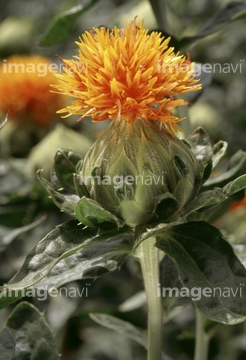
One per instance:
(126, 73)
(140, 173)
(25, 90)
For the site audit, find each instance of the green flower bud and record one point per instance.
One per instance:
(141, 173)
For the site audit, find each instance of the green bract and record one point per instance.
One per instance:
(140, 173)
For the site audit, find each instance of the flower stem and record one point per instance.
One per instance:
(202, 339)
(149, 261)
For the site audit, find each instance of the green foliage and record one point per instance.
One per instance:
(97, 243)
(91, 214)
(3, 122)
(232, 11)
(81, 253)
(63, 24)
(206, 261)
(27, 335)
(122, 327)
(7, 236)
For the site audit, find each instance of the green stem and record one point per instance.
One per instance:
(149, 261)
(202, 339)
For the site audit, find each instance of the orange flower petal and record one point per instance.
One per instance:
(126, 73)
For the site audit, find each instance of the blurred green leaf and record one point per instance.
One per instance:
(240, 251)
(235, 185)
(240, 15)
(214, 212)
(211, 198)
(205, 260)
(8, 235)
(110, 250)
(92, 214)
(122, 327)
(7, 344)
(222, 18)
(236, 166)
(159, 8)
(63, 24)
(32, 336)
(3, 122)
(230, 12)
(12, 180)
(134, 302)
(204, 77)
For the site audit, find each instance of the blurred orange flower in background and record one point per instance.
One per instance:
(25, 90)
(240, 203)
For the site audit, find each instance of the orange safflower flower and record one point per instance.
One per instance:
(25, 90)
(126, 73)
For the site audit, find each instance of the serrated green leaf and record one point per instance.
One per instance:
(122, 327)
(209, 269)
(92, 214)
(63, 24)
(66, 202)
(32, 335)
(65, 166)
(79, 252)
